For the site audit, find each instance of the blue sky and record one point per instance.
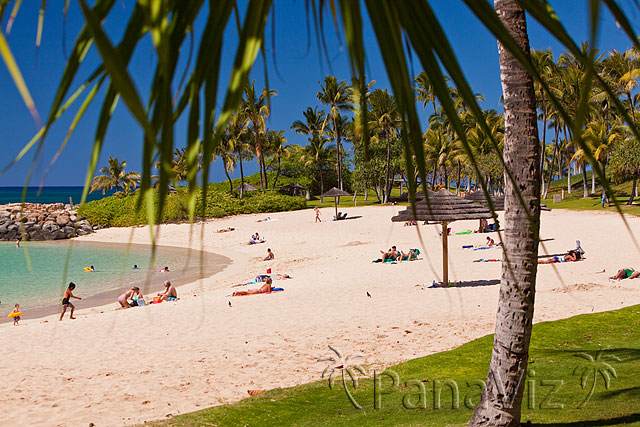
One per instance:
(297, 84)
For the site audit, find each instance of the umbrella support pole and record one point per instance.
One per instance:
(445, 254)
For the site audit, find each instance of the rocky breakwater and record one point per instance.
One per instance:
(35, 221)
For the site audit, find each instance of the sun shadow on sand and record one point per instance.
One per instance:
(468, 284)
(351, 217)
(625, 419)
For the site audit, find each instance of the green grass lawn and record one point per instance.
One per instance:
(553, 392)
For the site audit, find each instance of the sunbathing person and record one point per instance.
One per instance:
(626, 273)
(256, 239)
(412, 255)
(391, 254)
(262, 278)
(169, 293)
(264, 289)
(225, 230)
(570, 257)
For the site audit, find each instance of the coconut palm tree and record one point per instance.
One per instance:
(425, 91)
(603, 138)
(623, 69)
(501, 398)
(114, 175)
(313, 128)
(335, 95)
(256, 109)
(239, 137)
(384, 122)
(543, 62)
(277, 148)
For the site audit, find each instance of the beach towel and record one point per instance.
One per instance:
(486, 260)
(464, 232)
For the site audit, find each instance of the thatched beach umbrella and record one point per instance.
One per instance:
(335, 193)
(444, 208)
(245, 187)
(479, 197)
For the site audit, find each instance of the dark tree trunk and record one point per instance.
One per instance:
(338, 152)
(433, 177)
(585, 185)
(544, 135)
(321, 183)
(553, 161)
(387, 184)
(275, 182)
(226, 172)
(501, 399)
(241, 176)
(633, 190)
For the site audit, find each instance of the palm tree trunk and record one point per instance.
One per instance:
(226, 172)
(501, 399)
(241, 176)
(387, 184)
(631, 108)
(277, 174)
(633, 190)
(593, 181)
(321, 182)
(433, 176)
(553, 160)
(585, 186)
(544, 134)
(458, 182)
(338, 152)
(569, 179)
(259, 156)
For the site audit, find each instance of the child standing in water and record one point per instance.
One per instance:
(16, 319)
(66, 301)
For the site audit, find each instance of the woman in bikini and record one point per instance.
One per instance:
(122, 299)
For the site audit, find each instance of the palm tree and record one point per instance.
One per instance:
(313, 127)
(623, 69)
(277, 148)
(238, 135)
(425, 91)
(384, 122)
(502, 396)
(319, 153)
(256, 109)
(603, 139)
(336, 96)
(543, 62)
(224, 151)
(625, 163)
(114, 175)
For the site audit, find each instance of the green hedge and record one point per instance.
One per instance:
(121, 211)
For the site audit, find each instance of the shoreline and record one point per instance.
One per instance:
(105, 299)
(210, 349)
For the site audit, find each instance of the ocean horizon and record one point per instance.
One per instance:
(48, 194)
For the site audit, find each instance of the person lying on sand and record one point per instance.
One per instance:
(170, 293)
(129, 295)
(626, 273)
(412, 255)
(264, 289)
(225, 230)
(391, 254)
(570, 257)
(269, 256)
(262, 278)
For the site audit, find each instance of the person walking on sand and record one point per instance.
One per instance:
(270, 255)
(16, 318)
(66, 301)
(317, 211)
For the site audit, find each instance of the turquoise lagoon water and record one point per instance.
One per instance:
(48, 194)
(34, 275)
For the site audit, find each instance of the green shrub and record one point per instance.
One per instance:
(118, 211)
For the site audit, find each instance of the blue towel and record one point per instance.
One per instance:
(277, 289)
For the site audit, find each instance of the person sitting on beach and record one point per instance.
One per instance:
(256, 239)
(626, 273)
(490, 241)
(16, 319)
(264, 289)
(567, 258)
(135, 267)
(269, 256)
(391, 254)
(138, 299)
(66, 300)
(170, 293)
(128, 295)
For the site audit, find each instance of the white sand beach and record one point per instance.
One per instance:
(115, 367)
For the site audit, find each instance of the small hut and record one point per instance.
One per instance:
(443, 207)
(294, 189)
(245, 187)
(335, 193)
